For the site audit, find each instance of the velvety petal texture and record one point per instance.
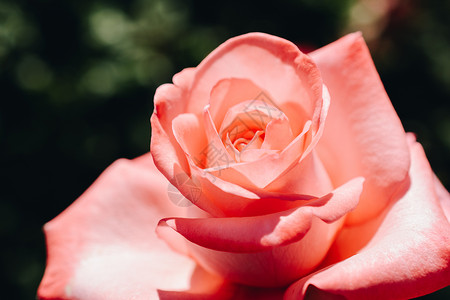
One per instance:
(104, 245)
(409, 256)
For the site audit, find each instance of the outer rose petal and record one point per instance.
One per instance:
(249, 234)
(260, 58)
(284, 246)
(409, 256)
(363, 135)
(104, 245)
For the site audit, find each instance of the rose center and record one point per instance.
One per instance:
(244, 126)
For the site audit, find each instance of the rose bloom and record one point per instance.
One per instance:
(300, 183)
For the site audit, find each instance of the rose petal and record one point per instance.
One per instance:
(236, 201)
(168, 101)
(409, 256)
(278, 134)
(275, 267)
(167, 154)
(229, 92)
(249, 234)
(281, 257)
(308, 181)
(308, 177)
(190, 135)
(363, 135)
(217, 155)
(250, 115)
(104, 246)
(261, 58)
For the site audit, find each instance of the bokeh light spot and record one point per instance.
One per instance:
(108, 26)
(33, 74)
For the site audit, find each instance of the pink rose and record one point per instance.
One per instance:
(303, 179)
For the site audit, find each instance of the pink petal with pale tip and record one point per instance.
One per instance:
(104, 245)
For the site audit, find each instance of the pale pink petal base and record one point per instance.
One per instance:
(409, 255)
(104, 245)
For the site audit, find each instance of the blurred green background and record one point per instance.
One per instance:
(77, 80)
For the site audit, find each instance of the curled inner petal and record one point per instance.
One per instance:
(244, 128)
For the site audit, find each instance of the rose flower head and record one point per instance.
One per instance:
(272, 175)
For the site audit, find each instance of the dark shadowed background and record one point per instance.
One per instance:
(77, 80)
